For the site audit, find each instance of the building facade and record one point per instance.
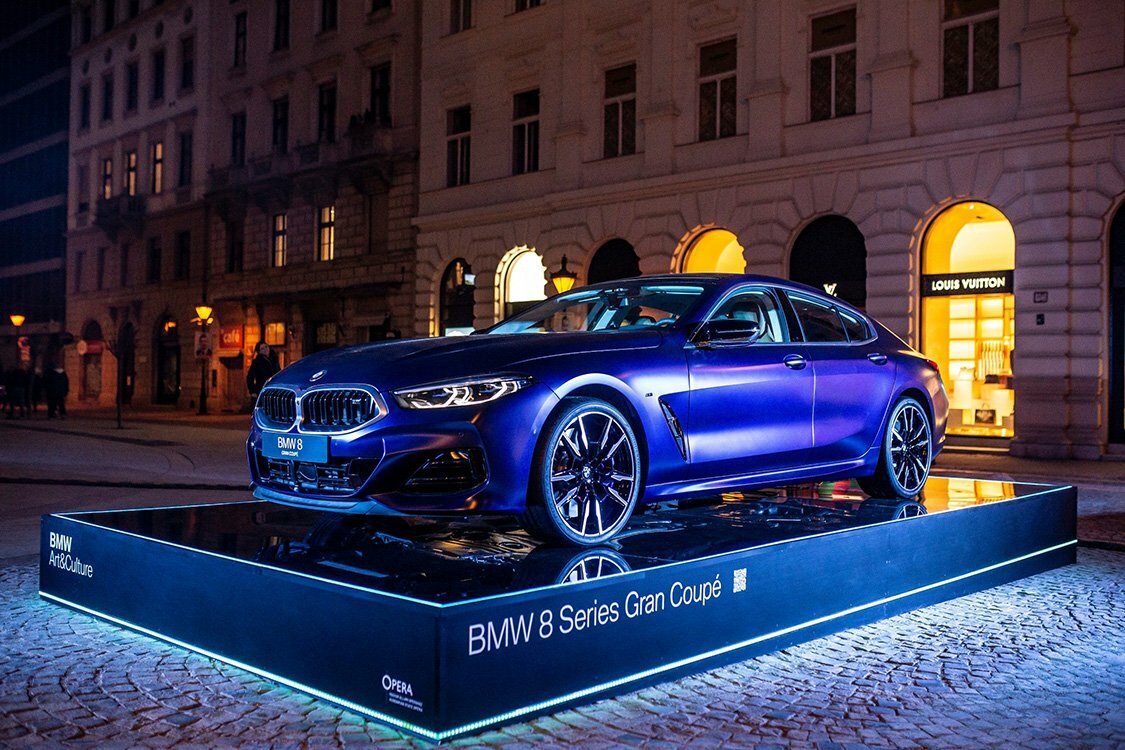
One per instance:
(956, 167)
(257, 157)
(34, 100)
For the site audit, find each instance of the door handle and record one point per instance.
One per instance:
(877, 358)
(794, 361)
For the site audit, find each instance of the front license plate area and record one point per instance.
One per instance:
(293, 447)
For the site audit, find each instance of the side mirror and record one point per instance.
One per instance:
(726, 333)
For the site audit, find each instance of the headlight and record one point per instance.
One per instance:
(461, 393)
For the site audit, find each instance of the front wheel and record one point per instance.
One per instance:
(586, 475)
(906, 455)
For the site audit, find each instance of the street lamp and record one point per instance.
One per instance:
(203, 351)
(17, 319)
(563, 279)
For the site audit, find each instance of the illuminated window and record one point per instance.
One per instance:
(131, 173)
(715, 251)
(525, 132)
(718, 90)
(620, 112)
(157, 167)
(275, 334)
(970, 46)
(968, 315)
(280, 232)
(458, 124)
(326, 234)
(107, 178)
(832, 65)
(524, 282)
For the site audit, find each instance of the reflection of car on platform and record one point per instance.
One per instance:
(571, 412)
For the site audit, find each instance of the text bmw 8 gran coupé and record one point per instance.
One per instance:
(573, 411)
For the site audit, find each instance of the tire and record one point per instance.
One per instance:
(906, 454)
(586, 475)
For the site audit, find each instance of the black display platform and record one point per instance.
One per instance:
(443, 628)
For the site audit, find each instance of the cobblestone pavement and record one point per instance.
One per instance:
(1039, 663)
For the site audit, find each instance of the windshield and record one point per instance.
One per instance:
(624, 308)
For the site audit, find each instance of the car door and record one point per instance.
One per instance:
(751, 401)
(854, 380)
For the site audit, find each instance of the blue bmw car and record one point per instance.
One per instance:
(573, 411)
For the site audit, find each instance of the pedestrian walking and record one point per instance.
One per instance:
(58, 386)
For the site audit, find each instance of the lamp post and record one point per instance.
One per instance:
(563, 279)
(203, 352)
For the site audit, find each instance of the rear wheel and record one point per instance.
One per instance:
(907, 452)
(586, 475)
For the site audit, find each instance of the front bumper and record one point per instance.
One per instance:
(459, 460)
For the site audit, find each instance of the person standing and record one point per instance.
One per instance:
(58, 386)
(262, 369)
(18, 381)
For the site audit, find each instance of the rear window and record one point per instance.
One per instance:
(820, 323)
(857, 328)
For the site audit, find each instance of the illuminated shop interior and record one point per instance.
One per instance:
(525, 282)
(972, 336)
(715, 251)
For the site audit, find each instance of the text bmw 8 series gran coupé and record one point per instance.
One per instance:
(572, 412)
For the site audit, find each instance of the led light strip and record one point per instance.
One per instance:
(567, 698)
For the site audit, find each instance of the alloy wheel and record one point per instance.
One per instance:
(910, 448)
(593, 474)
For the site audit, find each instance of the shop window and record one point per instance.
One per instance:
(619, 136)
(968, 315)
(830, 255)
(458, 297)
(970, 46)
(718, 90)
(714, 251)
(524, 282)
(616, 259)
(832, 66)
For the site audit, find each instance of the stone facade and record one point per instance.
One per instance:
(1044, 146)
(341, 156)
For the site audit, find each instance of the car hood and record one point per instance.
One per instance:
(387, 365)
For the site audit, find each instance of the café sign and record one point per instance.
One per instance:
(980, 282)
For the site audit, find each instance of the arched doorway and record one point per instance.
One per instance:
(714, 251)
(524, 281)
(167, 346)
(616, 259)
(1117, 327)
(457, 299)
(90, 348)
(126, 362)
(830, 254)
(968, 315)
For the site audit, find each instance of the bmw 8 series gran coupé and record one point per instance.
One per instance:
(571, 412)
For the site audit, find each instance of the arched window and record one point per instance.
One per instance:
(524, 282)
(968, 315)
(1117, 327)
(714, 251)
(616, 259)
(830, 255)
(458, 297)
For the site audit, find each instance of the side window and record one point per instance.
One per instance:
(857, 328)
(820, 322)
(756, 306)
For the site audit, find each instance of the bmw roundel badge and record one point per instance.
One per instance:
(317, 375)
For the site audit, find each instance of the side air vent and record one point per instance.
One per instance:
(674, 426)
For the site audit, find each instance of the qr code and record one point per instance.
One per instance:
(740, 580)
